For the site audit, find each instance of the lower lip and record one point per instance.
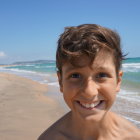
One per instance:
(91, 108)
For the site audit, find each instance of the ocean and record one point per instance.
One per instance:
(128, 99)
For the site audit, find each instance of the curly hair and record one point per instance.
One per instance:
(87, 39)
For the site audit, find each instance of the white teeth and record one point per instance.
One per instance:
(96, 103)
(87, 105)
(90, 105)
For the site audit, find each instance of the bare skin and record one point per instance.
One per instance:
(90, 91)
(116, 129)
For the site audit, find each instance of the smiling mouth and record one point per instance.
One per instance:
(90, 106)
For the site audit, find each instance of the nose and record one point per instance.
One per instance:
(90, 89)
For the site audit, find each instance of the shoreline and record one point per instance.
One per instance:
(28, 107)
(25, 109)
(122, 108)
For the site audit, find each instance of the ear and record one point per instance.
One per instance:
(119, 81)
(59, 75)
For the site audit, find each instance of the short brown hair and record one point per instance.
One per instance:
(87, 39)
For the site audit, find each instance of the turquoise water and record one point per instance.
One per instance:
(131, 69)
(132, 60)
(42, 68)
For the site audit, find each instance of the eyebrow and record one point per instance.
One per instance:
(102, 68)
(70, 69)
(95, 68)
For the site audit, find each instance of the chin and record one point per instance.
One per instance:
(98, 117)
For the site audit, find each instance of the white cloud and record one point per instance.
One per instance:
(2, 54)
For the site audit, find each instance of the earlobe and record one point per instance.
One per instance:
(60, 81)
(119, 81)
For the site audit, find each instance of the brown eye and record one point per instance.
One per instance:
(75, 75)
(102, 75)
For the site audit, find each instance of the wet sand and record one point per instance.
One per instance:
(24, 110)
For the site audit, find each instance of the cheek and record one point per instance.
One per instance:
(109, 92)
(71, 88)
(68, 97)
(69, 94)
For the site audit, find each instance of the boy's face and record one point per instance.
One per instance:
(90, 90)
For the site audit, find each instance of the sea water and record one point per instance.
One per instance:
(128, 99)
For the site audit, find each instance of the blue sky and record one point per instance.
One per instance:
(29, 29)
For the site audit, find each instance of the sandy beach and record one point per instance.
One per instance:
(24, 110)
(27, 107)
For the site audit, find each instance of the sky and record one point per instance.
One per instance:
(29, 29)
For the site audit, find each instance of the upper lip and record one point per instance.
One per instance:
(87, 102)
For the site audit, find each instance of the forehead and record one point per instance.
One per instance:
(102, 62)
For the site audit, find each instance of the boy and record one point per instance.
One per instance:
(89, 59)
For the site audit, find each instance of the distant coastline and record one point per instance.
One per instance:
(34, 62)
(53, 61)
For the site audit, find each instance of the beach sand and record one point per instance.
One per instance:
(27, 108)
(24, 110)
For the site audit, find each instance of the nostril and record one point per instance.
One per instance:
(90, 92)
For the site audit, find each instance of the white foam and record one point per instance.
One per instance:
(50, 66)
(130, 96)
(2, 68)
(44, 82)
(131, 67)
(22, 71)
(132, 120)
(124, 92)
(36, 76)
(131, 64)
(27, 65)
(53, 84)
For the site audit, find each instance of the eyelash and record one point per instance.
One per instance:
(102, 75)
(75, 75)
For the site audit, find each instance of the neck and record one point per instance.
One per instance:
(91, 128)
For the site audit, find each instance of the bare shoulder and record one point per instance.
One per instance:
(128, 130)
(57, 130)
(131, 131)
